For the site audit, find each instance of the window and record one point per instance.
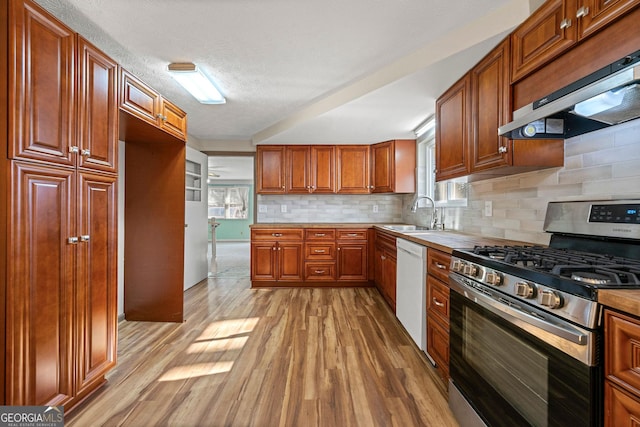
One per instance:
(447, 193)
(228, 202)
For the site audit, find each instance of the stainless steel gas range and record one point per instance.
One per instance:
(526, 334)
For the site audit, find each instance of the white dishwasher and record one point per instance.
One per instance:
(411, 290)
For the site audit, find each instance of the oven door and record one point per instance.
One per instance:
(511, 377)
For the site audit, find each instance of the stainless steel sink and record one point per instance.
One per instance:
(403, 228)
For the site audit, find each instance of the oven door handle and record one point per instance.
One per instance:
(516, 316)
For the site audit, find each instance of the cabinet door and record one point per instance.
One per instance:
(41, 86)
(352, 169)
(263, 261)
(491, 108)
(382, 165)
(547, 33)
(138, 99)
(621, 408)
(323, 170)
(593, 15)
(270, 169)
(389, 278)
(452, 131)
(39, 308)
(96, 316)
(98, 109)
(438, 345)
(290, 261)
(173, 119)
(298, 168)
(352, 261)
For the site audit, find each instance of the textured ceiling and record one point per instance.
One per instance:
(299, 71)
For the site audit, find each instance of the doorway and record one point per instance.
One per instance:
(231, 201)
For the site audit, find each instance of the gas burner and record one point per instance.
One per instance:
(590, 278)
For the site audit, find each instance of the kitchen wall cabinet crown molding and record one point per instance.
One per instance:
(60, 138)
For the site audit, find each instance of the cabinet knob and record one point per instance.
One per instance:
(74, 149)
(582, 12)
(565, 23)
(72, 240)
(84, 238)
(502, 149)
(85, 153)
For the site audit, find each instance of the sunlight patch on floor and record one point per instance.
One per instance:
(195, 370)
(223, 344)
(228, 328)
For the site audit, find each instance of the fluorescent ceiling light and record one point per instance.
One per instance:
(198, 85)
(425, 126)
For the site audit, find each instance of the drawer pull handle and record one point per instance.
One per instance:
(436, 302)
(440, 266)
(352, 234)
(319, 251)
(565, 23)
(582, 12)
(319, 271)
(320, 234)
(276, 234)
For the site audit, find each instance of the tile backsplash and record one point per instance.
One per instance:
(600, 165)
(329, 208)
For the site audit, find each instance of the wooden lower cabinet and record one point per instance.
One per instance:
(385, 267)
(622, 369)
(438, 310)
(309, 256)
(61, 309)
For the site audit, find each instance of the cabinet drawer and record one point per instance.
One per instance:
(622, 350)
(352, 234)
(438, 345)
(319, 233)
(438, 264)
(438, 299)
(320, 251)
(277, 234)
(320, 271)
(386, 241)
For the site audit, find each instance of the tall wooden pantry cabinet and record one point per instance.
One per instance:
(59, 126)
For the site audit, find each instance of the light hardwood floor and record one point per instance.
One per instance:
(269, 357)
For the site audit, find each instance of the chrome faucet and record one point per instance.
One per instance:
(414, 208)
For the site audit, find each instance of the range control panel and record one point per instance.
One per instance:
(615, 214)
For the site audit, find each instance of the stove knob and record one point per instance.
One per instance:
(457, 265)
(525, 290)
(550, 298)
(471, 270)
(493, 278)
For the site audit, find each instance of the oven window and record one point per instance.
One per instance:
(516, 370)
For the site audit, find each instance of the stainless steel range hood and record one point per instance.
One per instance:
(606, 97)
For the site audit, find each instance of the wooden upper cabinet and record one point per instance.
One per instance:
(323, 168)
(310, 169)
(352, 169)
(98, 109)
(41, 86)
(393, 166)
(593, 15)
(138, 99)
(270, 169)
(452, 130)
(490, 109)
(172, 119)
(547, 33)
(298, 169)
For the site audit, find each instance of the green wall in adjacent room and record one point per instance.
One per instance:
(235, 229)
